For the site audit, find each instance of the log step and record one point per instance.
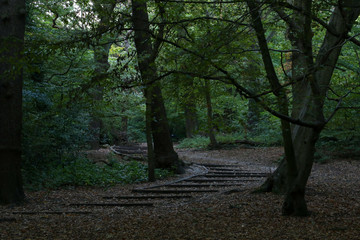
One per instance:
(219, 180)
(175, 191)
(225, 170)
(113, 204)
(149, 197)
(234, 175)
(220, 165)
(51, 212)
(205, 185)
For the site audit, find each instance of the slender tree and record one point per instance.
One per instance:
(210, 120)
(12, 30)
(189, 105)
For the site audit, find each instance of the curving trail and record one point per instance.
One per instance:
(213, 200)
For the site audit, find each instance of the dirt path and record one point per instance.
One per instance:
(333, 196)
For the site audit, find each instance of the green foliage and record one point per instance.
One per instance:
(198, 142)
(201, 142)
(320, 157)
(59, 92)
(229, 138)
(83, 172)
(51, 134)
(122, 105)
(267, 131)
(342, 134)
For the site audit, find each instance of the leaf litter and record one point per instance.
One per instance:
(332, 196)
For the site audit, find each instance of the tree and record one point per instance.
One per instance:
(164, 154)
(210, 120)
(311, 75)
(12, 30)
(189, 106)
(101, 56)
(310, 81)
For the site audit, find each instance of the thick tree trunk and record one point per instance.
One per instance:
(304, 146)
(164, 154)
(308, 99)
(12, 29)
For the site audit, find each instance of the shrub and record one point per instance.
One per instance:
(83, 172)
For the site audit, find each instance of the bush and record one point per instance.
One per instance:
(83, 172)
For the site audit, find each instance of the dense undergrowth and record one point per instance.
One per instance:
(202, 142)
(83, 172)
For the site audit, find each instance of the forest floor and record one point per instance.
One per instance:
(333, 197)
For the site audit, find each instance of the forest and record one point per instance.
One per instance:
(167, 77)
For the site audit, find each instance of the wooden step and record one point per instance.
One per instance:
(250, 175)
(149, 197)
(219, 165)
(219, 180)
(145, 204)
(205, 185)
(170, 191)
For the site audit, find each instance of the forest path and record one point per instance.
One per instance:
(234, 213)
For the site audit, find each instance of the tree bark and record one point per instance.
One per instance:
(149, 140)
(308, 99)
(164, 154)
(282, 101)
(210, 122)
(253, 115)
(12, 30)
(189, 106)
(101, 56)
(190, 119)
(309, 94)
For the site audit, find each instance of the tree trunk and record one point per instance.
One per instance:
(149, 140)
(164, 154)
(189, 108)
(308, 99)
(101, 56)
(253, 116)
(190, 119)
(210, 122)
(124, 128)
(282, 101)
(12, 30)
(254, 110)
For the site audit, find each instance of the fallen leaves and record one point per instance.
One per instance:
(333, 197)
